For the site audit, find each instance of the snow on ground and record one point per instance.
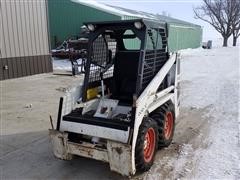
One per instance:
(206, 139)
(213, 81)
(62, 64)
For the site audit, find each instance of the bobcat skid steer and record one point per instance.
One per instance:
(128, 103)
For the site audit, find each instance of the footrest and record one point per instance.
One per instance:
(114, 123)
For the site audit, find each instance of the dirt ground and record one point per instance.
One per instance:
(26, 104)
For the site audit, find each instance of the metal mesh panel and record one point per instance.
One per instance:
(154, 60)
(100, 57)
(99, 51)
(111, 45)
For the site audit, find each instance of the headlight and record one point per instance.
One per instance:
(138, 25)
(91, 27)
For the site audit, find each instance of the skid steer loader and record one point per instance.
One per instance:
(127, 105)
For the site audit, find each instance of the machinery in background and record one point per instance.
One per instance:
(74, 49)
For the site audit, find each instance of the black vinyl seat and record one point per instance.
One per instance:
(125, 75)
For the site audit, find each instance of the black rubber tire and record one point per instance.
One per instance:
(141, 164)
(159, 115)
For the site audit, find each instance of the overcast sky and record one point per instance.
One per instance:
(180, 9)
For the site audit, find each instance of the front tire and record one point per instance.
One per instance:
(146, 145)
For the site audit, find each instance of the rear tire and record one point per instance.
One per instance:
(165, 118)
(146, 145)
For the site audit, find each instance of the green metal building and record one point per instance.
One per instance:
(67, 16)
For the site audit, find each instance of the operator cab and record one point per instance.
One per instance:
(113, 61)
(123, 57)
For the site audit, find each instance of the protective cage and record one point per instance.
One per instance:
(107, 40)
(155, 55)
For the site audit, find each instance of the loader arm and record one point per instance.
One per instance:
(148, 96)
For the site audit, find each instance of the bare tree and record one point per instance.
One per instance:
(236, 34)
(236, 21)
(219, 14)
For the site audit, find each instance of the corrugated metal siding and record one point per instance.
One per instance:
(24, 28)
(66, 18)
(24, 38)
(182, 37)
